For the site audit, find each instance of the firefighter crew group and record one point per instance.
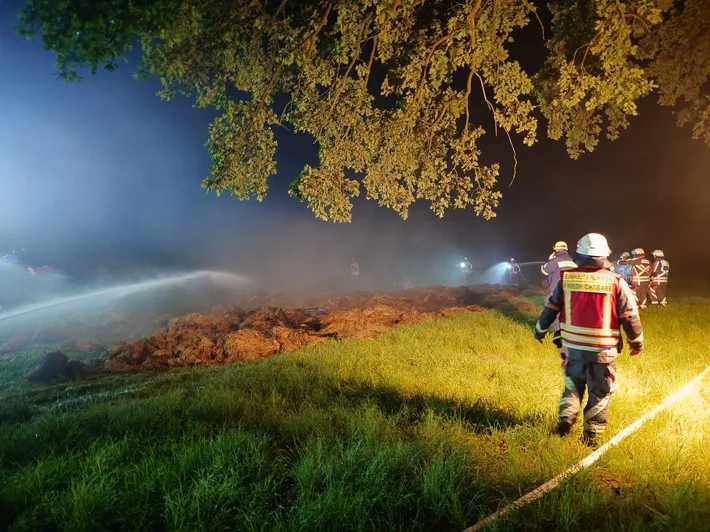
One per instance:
(587, 306)
(648, 280)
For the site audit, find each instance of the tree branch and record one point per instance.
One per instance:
(369, 63)
(425, 69)
(472, 66)
(515, 156)
(356, 56)
(542, 27)
(267, 90)
(489, 104)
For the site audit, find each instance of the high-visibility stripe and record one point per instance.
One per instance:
(607, 341)
(596, 428)
(566, 264)
(539, 329)
(589, 331)
(597, 408)
(568, 307)
(583, 347)
(606, 320)
(638, 339)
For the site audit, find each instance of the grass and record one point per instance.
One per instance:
(430, 427)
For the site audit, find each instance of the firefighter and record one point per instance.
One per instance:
(467, 269)
(593, 304)
(621, 266)
(516, 275)
(659, 279)
(354, 271)
(558, 262)
(640, 274)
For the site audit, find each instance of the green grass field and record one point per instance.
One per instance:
(429, 427)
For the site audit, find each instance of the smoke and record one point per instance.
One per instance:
(116, 311)
(18, 286)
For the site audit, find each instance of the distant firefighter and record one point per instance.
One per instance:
(659, 279)
(640, 275)
(515, 274)
(354, 269)
(621, 266)
(593, 305)
(557, 263)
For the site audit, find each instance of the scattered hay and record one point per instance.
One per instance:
(368, 322)
(249, 345)
(232, 334)
(525, 307)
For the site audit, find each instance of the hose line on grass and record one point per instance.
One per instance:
(548, 486)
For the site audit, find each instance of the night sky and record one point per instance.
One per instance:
(103, 173)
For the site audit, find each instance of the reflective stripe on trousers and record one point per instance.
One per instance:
(595, 372)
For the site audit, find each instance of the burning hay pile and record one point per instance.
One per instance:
(234, 334)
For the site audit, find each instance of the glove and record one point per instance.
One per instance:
(636, 351)
(539, 336)
(564, 363)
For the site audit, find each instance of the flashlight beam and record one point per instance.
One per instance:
(548, 486)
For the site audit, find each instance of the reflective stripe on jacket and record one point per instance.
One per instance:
(593, 304)
(640, 271)
(659, 273)
(558, 262)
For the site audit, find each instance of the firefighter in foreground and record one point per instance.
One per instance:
(640, 268)
(593, 304)
(659, 279)
(558, 262)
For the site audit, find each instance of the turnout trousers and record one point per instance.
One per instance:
(595, 372)
(641, 293)
(657, 292)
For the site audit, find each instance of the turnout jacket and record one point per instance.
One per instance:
(558, 262)
(659, 271)
(640, 270)
(593, 305)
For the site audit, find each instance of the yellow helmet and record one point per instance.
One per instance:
(560, 244)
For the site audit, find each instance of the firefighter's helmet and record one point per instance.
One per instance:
(625, 255)
(593, 245)
(638, 252)
(559, 245)
(658, 253)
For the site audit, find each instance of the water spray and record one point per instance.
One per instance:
(121, 290)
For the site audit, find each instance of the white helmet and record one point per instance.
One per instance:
(638, 252)
(658, 253)
(593, 245)
(560, 244)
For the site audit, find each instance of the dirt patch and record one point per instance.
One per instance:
(232, 334)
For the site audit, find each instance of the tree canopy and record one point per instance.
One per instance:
(392, 90)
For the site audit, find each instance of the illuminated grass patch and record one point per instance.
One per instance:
(432, 426)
